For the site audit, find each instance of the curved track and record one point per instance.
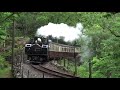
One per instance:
(51, 72)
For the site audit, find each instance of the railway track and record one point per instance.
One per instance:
(52, 72)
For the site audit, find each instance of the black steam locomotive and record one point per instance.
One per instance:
(41, 49)
(37, 50)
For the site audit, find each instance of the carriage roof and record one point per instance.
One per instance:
(63, 45)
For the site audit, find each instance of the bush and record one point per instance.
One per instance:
(3, 63)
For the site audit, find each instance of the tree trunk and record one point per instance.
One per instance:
(13, 43)
(90, 71)
(64, 63)
(75, 62)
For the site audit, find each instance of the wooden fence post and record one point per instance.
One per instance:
(90, 71)
(28, 74)
(43, 74)
(68, 63)
(13, 44)
(64, 63)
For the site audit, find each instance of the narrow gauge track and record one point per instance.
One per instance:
(52, 72)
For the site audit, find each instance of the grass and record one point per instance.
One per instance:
(5, 73)
(5, 68)
(81, 70)
(70, 67)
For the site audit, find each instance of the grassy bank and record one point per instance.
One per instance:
(70, 66)
(6, 73)
(5, 68)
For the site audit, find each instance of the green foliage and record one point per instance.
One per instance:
(3, 63)
(103, 29)
(5, 70)
(83, 72)
(6, 73)
(2, 34)
(29, 22)
(102, 39)
(7, 53)
(100, 43)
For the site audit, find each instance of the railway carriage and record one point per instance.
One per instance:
(57, 51)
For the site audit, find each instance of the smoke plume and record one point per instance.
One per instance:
(70, 33)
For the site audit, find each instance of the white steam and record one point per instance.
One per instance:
(56, 30)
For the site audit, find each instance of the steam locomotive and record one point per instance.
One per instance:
(41, 49)
(37, 50)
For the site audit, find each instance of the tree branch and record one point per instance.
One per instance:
(113, 33)
(7, 18)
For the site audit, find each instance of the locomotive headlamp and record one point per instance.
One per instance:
(28, 45)
(39, 39)
(44, 46)
(49, 41)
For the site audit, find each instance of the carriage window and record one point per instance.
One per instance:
(72, 49)
(76, 49)
(62, 49)
(69, 49)
(53, 47)
(57, 48)
(50, 46)
(65, 49)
